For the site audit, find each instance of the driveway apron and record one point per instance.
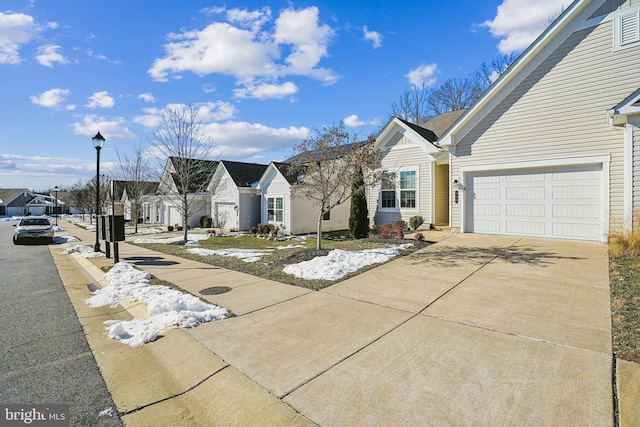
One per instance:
(475, 330)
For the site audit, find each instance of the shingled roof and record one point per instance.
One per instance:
(244, 174)
(205, 167)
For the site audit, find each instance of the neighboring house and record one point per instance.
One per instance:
(14, 201)
(418, 181)
(235, 199)
(548, 149)
(165, 207)
(20, 201)
(294, 215)
(124, 190)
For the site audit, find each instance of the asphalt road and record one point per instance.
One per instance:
(44, 356)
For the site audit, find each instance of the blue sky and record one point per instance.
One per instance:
(263, 74)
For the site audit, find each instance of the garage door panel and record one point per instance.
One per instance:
(562, 202)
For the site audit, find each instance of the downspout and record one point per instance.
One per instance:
(619, 122)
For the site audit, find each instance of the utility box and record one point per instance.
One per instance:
(113, 228)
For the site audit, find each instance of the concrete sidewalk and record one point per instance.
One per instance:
(475, 330)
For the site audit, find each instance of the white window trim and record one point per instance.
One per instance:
(397, 172)
(266, 201)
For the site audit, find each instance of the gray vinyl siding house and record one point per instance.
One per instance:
(548, 149)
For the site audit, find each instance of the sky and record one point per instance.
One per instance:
(263, 75)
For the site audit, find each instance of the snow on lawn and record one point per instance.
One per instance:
(167, 307)
(85, 251)
(338, 263)
(191, 237)
(246, 255)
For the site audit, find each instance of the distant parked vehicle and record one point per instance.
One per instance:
(32, 228)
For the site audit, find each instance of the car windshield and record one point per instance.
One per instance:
(35, 221)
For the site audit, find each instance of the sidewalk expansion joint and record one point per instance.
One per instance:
(193, 387)
(413, 316)
(499, 254)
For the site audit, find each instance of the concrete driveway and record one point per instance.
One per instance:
(474, 330)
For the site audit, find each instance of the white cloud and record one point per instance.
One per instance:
(147, 97)
(100, 100)
(266, 91)
(242, 140)
(113, 128)
(16, 29)
(353, 121)
(519, 22)
(423, 75)
(48, 54)
(245, 48)
(206, 112)
(373, 36)
(51, 98)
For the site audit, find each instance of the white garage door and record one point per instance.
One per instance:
(562, 202)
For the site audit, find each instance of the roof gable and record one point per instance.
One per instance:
(9, 194)
(397, 127)
(575, 17)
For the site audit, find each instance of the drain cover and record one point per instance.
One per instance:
(216, 290)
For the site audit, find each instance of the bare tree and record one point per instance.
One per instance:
(181, 139)
(489, 73)
(133, 174)
(412, 105)
(328, 164)
(454, 94)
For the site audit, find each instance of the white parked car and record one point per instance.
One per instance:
(32, 228)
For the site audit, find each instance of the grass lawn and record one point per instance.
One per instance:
(624, 274)
(271, 265)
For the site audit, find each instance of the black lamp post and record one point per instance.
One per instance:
(56, 208)
(98, 142)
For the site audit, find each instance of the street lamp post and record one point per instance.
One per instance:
(56, 208)
(98, 142)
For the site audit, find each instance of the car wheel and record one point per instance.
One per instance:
(15, 241)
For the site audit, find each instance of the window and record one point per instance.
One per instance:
(408, 189)
(388, 192)
(275, 210)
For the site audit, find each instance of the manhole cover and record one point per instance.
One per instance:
(216, 290)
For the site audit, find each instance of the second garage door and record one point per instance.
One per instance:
(558, 202)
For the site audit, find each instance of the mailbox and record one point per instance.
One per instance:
(113, 228)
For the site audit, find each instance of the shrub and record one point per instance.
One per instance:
(265, 228)
(385, 231)
(418, 237)
(253, 230)
(359, 214)
(169, 227)
(206, 221)
(416, 221)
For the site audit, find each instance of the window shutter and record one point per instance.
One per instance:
(629, 28)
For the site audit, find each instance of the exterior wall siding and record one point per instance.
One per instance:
(559, 111)
(305, 216)
(406, 156)
(276, 185)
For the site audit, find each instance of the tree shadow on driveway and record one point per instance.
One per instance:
(445, 256)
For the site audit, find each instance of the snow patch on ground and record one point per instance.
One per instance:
(167, 307)
(63, 238)
(85, 251)
(246, 255)
(338, 263)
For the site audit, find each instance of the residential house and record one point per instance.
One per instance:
(166, 206)
(548, 150)
(235, 199)
(294, 214)
(20, 201)
(14, 201)
(124, 194)
(418, 180)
